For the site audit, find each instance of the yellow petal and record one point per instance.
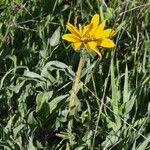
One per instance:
(97, 51)
(105, 33)
(94, 24)
(70, 38)
(86, 29)
(101, 27)
(90, 45)
(76, 45)
(95, 20)
(73, 29)
(106, 43)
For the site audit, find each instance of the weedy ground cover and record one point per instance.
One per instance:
(111, 99)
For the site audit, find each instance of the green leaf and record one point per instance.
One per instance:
(56, 65)
(42, 98)
(9, 124)
(139, 122)
(31, 119)
(17, 130)
(109, 13)
(111, 140)
(144, 144)
(53, 104)
(126, 92)
(129, 104)
(87, 138)
(114, 100)
(55, 38)
(30, 145)
(33, 75)
(134, 146)
(17, 87)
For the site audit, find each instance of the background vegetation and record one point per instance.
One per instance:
(37, 70)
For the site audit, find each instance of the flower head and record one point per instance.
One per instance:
(14, 7)
(90, 36)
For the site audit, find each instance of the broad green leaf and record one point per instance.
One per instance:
(56, 65)
(39, 145)
(17, 87)
(110, 140)
(53, 104)
(31, 118)
(55, 38)
(41, 99)
(64, 115)
(14, 60)
(31, 145)
(88, 138)
(9, 125)
(18, 129)
(129, 104)
(33, 75)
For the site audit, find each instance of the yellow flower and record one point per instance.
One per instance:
(90, 36)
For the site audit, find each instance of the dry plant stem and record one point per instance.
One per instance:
(72, 101)
(75, 83)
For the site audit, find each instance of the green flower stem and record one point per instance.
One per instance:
(72, 99)
(75, 84)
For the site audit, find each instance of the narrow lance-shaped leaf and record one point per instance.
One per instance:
(114, 91)
(55, 37)
(125, 91)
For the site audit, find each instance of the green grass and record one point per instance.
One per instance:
(37, 69)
